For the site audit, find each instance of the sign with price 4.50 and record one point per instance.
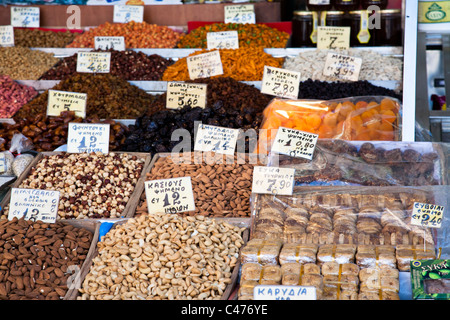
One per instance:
(93, 62)
(427, 215)
(273, 180)
(34, 204)
(280, 82)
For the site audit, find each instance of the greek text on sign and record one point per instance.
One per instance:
(33, 204)
(342, 66)
(126, 13)
(216, 139)
(222, 40)
(204, 65)
(333, 38)
(6, 36)
(59, 101)
(273, 180)
(280, 292)
(2, 163)
(295, 143)
(106, 43)
(240, 14)
(27, 17)
(88, 137)
(180, 94)
(169, 195)
(280, 82)
(427, 215)
(93, 62)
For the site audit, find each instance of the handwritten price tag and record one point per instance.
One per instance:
(93, 62)
(427, 215)
(295, 143)
(169, 195)
(106, 43)
(280, 82)
(240, 14)
(222, 40)
(273, 180)
(204, 65)
(217, 139)
(342, 66)
(126, 13)
(6, 36)
(280, 292)
(181, 94)
(34, 205)
(88, 137)
(59, 101)
(27, 17)
(333, 38)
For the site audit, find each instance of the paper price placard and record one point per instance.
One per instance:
(222, 40)
(93, 62)
(59, 101)
(2, 163)
(106, 43)
(240, 14)
(169, 195)
(204, 65)
(27, 17)
(126, 13)
(216, 139)
(33, 204)
(88, 137)
(273, 180)
(333, 38)
(427, 215)
(181, 94)
(280, 82)
(342, 66)
(6, 36)
(295, 143)
(280, 292)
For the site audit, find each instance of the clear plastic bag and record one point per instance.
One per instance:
(20, 144)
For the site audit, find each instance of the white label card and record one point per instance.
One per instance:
(59, 101)
(88, 137)
(222, 40)
(33, 204)
(126, 13)
(216, 139)
(93, 62)
(295, 143)
(6, 36)
(342, 66)
(273, 180)
(333, 38)
(181, 94)
(2, 163)
(240, 14)
(106, 43)
(280, 82)
(204, 65)
(169, 195)
(280, 292)
(427, 215)
(27, 17)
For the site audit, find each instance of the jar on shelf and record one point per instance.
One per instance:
(319, 5)
(346, 5)
(382, 4)
(304, 29)
(390, 32)
(360, 34)
(332, 18)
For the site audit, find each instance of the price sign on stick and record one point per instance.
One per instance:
(204, 65)
(59, 101)
(216, 139)
(169, 195)
(88, 137)
(273, 180)
(427, 215)
(342, 66)
(181, 94)
(295, 143)
(25, 17)
(93, 62)
(333, 38)
(6, 36)
(280, 82)
(240, 14)
(282, 292)
(126, 13)
(222, 40)
(106, 43)
(33, 204)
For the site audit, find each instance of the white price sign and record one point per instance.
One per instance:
(273, 180)
(6, 36)
(222, 40)
(427, 215)
(33, 204)
(280, 292)
(126, 13)
(88, 137)
(280, 82)
(169, 195)
(59, 101)
(204, 65)
(295, 143)
(106, 43)
(2, 163)
(342, 66)
(333, 38)
(216, 139)
(180, 94)
(93, 62)
(240, 14)
(27, 17)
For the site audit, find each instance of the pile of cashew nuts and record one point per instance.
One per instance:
(164, 256)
